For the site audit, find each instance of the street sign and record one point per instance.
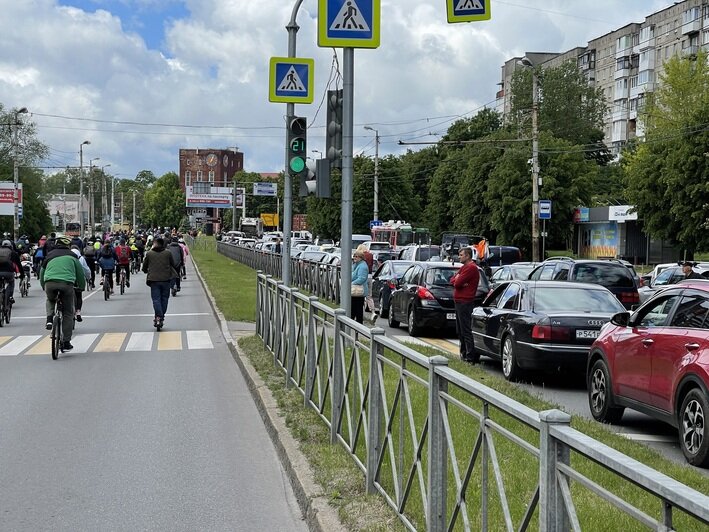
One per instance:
(375, 223)
(544, 209)
(265, 189)
(349, 23)
(468, 10)
(291, 80)
(7, 198)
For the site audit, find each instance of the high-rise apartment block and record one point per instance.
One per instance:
(626, 63)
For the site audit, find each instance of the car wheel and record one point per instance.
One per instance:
(600, 395)
(510, 369)
(412, 326)
(693, 432)
(383, 311)
(391, 321)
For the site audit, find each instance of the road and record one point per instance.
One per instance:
(133, 430)
(571, 393)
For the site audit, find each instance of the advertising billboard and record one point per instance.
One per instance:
(7, 198)
(212, 197)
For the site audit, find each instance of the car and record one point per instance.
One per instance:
(502, 255)
(420, 252)
(656, 361)
(423, 298)
(611, 274)
(518, 271)
(549, 326)
(376, 246)
(384, 282)
(360, 239)
(668, 276)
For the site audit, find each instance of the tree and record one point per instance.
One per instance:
(164, 202)
(668, 174)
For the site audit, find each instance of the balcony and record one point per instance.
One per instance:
(692, 27)
(622, 73)
(690, 51)
(644, 45)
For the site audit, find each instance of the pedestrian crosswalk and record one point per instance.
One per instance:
(36, 344)
(449, 345)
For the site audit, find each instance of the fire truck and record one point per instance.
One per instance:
(399, 234)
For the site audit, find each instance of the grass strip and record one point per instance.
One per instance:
(344, 483)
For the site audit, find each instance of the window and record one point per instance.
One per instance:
(211, 176)
(501, 274)
(647, 33)
(656, 315)
(646, 76)
(691, 313)
(690, 15)
(200, 188)
(633, 84)
(199, 175)
(510, 299)
(622, 63)
(562, 272)
(188, 178)
(705, 37)
(494, 298)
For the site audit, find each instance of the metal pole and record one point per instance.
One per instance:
(233, 209)
(81, 187)
(113, 203)
(122, 204)
(535, 167)
(376, 175)
(347, 173)
(292, 29)
(16, 175)
(134, 210)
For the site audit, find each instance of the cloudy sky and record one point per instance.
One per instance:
(140, 79)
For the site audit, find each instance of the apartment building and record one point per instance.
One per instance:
(626, 63)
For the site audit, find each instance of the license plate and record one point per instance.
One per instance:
(450, 315)
(587, 334)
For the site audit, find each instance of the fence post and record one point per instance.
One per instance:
(292, 345)
(259, 303)
(437, 449)
(374, 412)
(267, 312)
(278, 336)
(311, 351)
(553, 515)
(337, 389)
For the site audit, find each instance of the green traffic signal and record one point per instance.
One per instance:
(297, 165)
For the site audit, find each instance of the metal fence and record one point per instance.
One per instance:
(449, 453)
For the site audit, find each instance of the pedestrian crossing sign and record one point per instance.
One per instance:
(349, 23)
(468, 10)
(291, 80)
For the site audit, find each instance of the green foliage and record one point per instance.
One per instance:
(164, 202)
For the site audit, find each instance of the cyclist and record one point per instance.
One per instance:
(90, 258)
(179, 257)
(38, 256)
(26, 262)
(60, 273)
(9, 265)
(140, 245)
(77, 291)
(107, 261)
(160, 267)
(123, 254)
(186, 252)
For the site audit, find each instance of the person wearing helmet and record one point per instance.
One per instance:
(9, 265)
(123, 253)
(60, 273)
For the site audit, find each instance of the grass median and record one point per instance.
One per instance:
(234, 287)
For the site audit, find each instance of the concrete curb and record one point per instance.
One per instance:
(318, 514)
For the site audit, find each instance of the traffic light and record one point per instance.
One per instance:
(297, 147)
(317, 180)
(333, 143)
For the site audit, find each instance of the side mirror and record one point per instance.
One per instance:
(621, 319)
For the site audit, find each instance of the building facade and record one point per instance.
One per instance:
(625, 64)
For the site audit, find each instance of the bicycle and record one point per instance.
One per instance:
(122, 281)
(133, 266)
(57, 334)
(25, 286)
(107, 285)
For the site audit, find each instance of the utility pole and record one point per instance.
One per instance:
(16, 174)
(81, 187)
(376, 171)
(113, 203)
(134, 210)
(535, 167)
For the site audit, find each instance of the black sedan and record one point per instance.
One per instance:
(424, 297)
(530, 325)
(384, 282)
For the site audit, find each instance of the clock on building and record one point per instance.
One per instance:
(226, 160)
(211, 159)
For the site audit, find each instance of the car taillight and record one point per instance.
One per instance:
(424, 293)
(392, 284)
(630, 298)
(544, 331)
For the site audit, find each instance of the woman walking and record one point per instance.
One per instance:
(360, 273)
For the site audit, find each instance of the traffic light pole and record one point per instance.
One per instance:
(292, 28)
(347, 173)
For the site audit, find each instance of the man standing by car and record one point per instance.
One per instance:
(465, 286)
(689, 273)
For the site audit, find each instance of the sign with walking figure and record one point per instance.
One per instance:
(291, 80)
(468, 10)
(349, 23)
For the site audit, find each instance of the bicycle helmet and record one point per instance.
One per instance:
(62, 241)
(6, 244)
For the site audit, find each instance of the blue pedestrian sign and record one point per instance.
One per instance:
(468, 10)
(291, 80)
(349, 23)
(544, 209)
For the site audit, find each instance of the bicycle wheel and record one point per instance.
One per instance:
(106, 289)
(123, 282)
(56, 334)
(8, 313)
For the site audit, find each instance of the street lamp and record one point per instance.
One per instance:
(535, 158)
(92, 206)
(81, 186)
(15, 173)
(104, 196)
(376, 171)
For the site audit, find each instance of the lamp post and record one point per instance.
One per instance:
(92, 207)
(376, 171)
(15, 173)
(535, 158)
(81, 187)
(104, 199)
(113, 202)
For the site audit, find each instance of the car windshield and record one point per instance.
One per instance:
(521, 272)
(439, 276)
(426, 252)
(615, 275)
(379, 246)
(401, 267)
(569, 298)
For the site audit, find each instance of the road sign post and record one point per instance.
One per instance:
(544, 215)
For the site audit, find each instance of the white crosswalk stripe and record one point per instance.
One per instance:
(92, 342)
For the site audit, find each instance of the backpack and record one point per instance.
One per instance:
(123, 253)
(90, 251)
(5, 257)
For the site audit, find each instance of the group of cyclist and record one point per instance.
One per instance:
(67, 266)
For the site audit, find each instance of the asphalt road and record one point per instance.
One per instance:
(133, 430)
(569, 392)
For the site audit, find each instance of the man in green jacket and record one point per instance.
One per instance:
(60, 273)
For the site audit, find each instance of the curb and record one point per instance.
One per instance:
(318, 514)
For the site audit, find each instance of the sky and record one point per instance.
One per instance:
(140, 79)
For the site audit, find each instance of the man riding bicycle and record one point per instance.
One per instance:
(107, 262)
(9, 265)
(60, 273)
(123, 253)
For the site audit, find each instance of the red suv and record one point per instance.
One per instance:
(656, 361)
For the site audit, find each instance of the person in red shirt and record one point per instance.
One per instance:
(465, 286)
(123, 252)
